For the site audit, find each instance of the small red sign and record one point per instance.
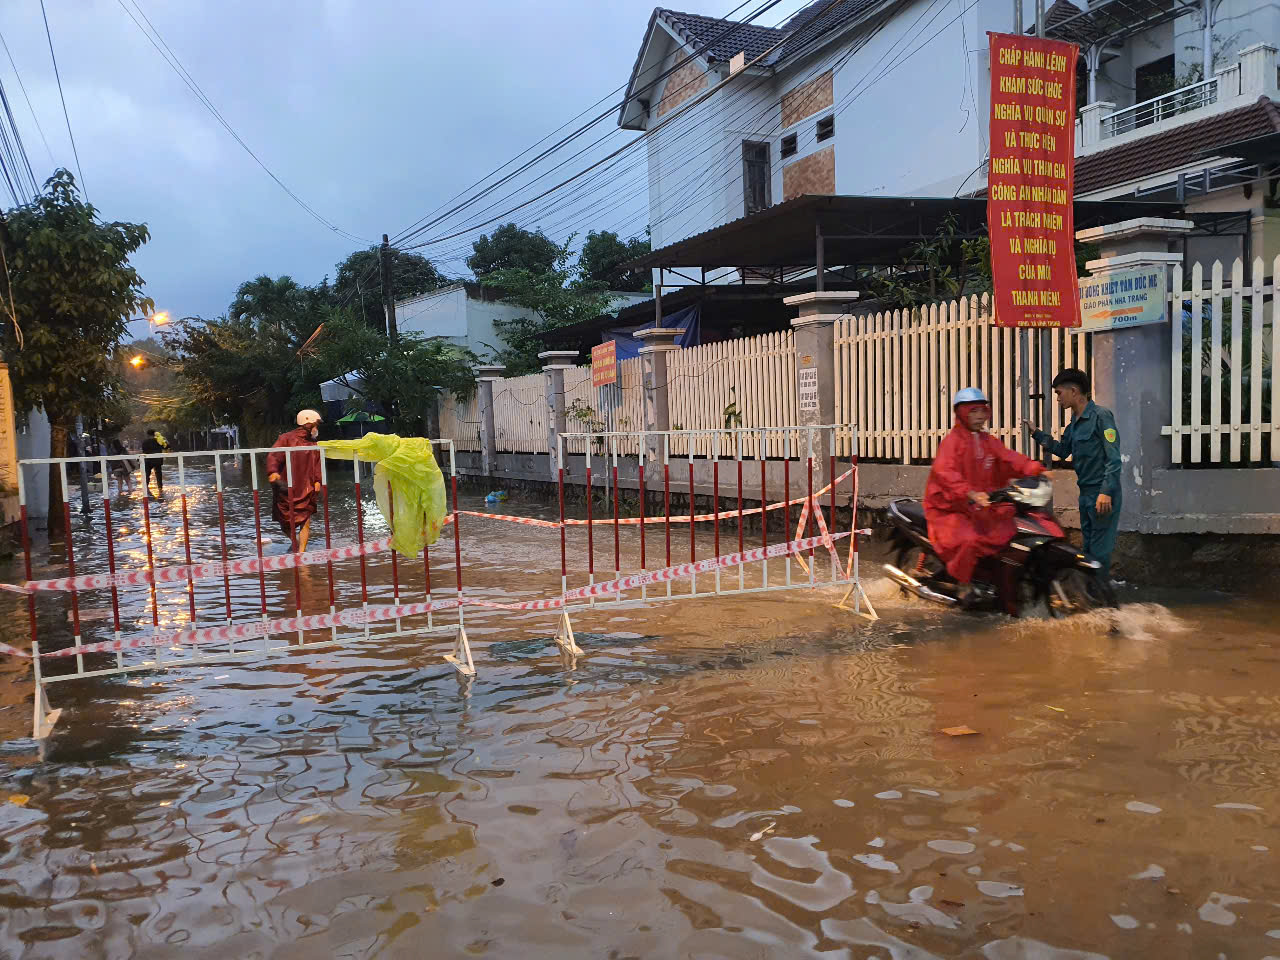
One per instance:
(604, 364)
(1031, 182)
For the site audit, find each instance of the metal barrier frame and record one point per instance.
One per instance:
(44, 718)
(734, 436)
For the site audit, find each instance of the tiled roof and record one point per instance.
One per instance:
(1147, 156)
(722, 38)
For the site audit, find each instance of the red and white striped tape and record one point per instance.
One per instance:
(636, 521)
(382, 612)
(201, 571)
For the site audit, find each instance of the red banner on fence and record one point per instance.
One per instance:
(604, 364)
(1031, 181)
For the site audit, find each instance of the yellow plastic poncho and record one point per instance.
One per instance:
(405, 467)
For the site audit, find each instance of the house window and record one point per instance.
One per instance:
(826, 128)
(755, 176)
(788, 145)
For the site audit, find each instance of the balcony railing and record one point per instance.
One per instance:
(1182, 100)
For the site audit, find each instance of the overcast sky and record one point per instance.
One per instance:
(375, 112)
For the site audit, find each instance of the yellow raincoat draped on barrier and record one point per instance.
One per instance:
(407, 467)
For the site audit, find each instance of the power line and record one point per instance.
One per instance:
(26, 97)
(66, 116)
(175, 64)
(767, 5)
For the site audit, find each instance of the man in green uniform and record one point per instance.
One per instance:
(1092, 442)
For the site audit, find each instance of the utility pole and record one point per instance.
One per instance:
(1047, 334)
(388, 299)
(1024, 336)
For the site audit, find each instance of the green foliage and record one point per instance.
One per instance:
(732, 415)
(358, 282)
(556, 297)
(512, 248)
(74, 291)
(599, 263)
(941, 267)
(400, 378)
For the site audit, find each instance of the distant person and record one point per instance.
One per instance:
(1093, 444)
(153, 464)
(121, 470)
(296, 484)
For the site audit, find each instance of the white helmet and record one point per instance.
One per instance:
(969, 395)
(308, 417)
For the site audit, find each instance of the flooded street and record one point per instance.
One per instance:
(735, 777)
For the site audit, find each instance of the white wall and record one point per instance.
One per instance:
(1240, 24)
(33, 442)
(914, 123)
(441, 313)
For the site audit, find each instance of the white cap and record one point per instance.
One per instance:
(306, 417)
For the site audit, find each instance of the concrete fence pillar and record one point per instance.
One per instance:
(486, 377)
(814, 334)
(554, 364)
(1091, 118)
(1132, 364)
(659, 343)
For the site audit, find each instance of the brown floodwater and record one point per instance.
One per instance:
(732, 777)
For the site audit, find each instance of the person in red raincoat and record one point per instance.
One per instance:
(296, 488)
(964, 526)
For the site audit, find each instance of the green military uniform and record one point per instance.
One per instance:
(1093, 443)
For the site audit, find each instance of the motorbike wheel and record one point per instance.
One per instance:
(1074, 591)
(920, 563)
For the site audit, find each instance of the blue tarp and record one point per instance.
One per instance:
(686, 320)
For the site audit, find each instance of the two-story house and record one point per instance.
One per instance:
(891, 97)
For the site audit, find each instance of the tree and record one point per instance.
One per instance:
(601, 259)
(512, 248)
(246, 371)
(555, 297)
(73, 291)
(402, 377)
(358, 284)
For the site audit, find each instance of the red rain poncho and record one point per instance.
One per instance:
(963, 533)
(294, 495)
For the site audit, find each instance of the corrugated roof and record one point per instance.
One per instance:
(1148, 156)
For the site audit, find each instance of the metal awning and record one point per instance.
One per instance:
(1111, 21)
(853, 231)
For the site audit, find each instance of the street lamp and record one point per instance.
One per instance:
(137, 360)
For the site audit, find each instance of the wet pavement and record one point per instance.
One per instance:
(734, 777)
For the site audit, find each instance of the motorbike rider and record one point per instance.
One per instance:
(964, 526)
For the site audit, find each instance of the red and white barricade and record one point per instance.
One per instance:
(181, 576)
(153, 551)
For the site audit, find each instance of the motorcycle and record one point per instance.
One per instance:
(1038, 569)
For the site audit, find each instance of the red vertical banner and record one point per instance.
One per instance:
(1031, 181)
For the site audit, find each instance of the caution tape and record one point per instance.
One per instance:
(637, 521)
(200, 571)
(377, 613)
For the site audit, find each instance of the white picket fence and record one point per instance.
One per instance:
(460, 421)
(897, 371)
(756, 376)
(1225, 340)
(520, 414)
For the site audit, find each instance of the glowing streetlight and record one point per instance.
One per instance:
(161, 318)
(137, 360)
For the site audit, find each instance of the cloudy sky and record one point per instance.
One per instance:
(375, 112)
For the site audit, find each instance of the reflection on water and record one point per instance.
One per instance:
(732, 778)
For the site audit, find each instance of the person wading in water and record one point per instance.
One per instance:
(296, 485)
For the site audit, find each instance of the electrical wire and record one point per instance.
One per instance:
(66, 116)
(407, 231)
(26, 97)
(767, 5)
(169, 57)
